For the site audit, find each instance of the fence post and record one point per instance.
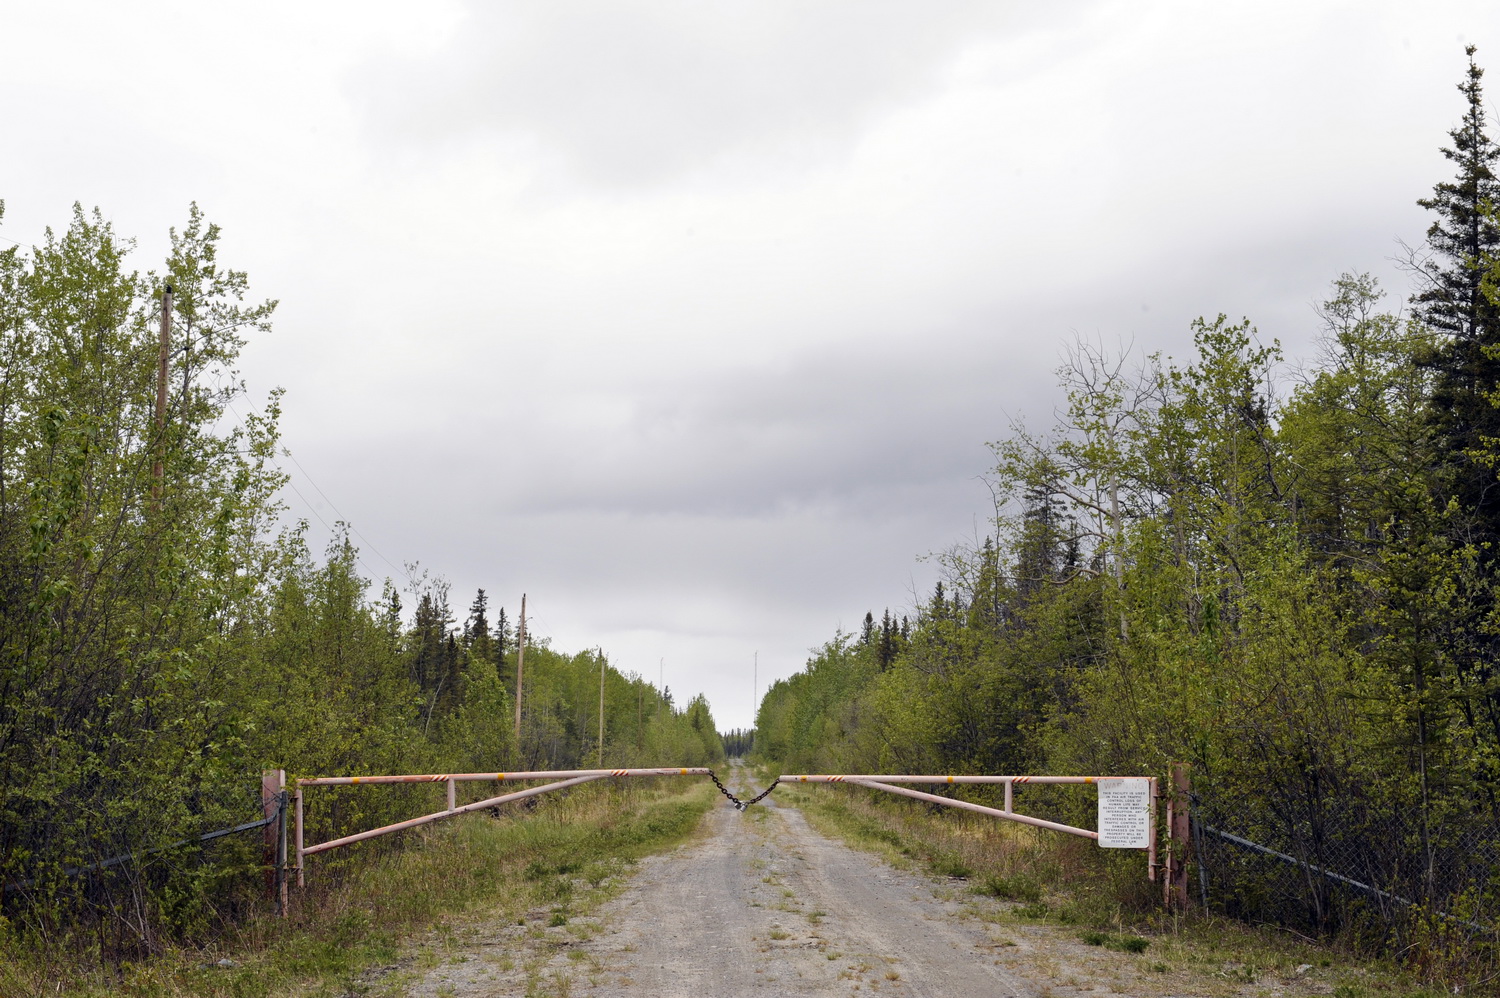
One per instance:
(301, 882)
(1151, 848)
(283, 799)
(1166, 859)
(272, 785)
(1179, 839)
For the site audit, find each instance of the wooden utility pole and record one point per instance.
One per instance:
(164, 354)
(520, 664)
(600, 653)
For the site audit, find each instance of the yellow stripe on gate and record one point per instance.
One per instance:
(499, 777)
(353, 781)
(950, 779)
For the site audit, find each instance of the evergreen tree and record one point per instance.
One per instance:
(986, 605)
(478, 622)
(426, 645)
(1046, 554)
(1461, 240)
(450, 692)
(390, 616)
(501, 644)
(1464, 241)
(435, 661)
(477, 640)
(739, 742)
(1465, 231)
(886, 650)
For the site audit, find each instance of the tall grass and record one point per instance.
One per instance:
(514, 865)
(1100, 896)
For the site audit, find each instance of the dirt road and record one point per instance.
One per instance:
(768, 906)
(761, 904)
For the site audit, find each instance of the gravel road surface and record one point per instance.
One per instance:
(768, 906)
(758, 904)
(761, 904)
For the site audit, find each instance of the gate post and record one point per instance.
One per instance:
(273, 834)
(301, 882)
(1179, 844)
(1151, 864)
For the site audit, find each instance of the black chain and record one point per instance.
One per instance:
(758, 796)
(740, 805)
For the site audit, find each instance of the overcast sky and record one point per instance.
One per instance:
(692, 319)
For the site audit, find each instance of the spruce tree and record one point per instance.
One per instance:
(451, 687)
(1463, 242)
(477, 640)
(430, 667)
(425, 645)
(887, 651)
(502, 642)
(1465, 232)
(479, 619)
(1460, 241)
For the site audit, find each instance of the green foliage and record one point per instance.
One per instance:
(1191, 567)
(642, 725)
(338, 936)
(1294, 590)
(1018, 887)
(1124, 944)
(738, 742)
(158, 650)
(119, 611)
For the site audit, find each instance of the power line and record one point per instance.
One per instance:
(326, 525)
(314, 510)
(287, 451)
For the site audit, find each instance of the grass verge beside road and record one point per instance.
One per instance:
(544, 865)
(1100, 898)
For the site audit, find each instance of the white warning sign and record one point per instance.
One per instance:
(1125, 813)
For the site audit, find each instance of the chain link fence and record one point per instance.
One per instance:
(126, 870)
(1375, 874)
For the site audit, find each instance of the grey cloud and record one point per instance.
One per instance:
(639, 93)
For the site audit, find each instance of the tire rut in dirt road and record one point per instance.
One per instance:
(769, 906)
(763, 905)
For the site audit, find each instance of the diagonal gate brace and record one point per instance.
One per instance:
(993, 812)
(439, 815)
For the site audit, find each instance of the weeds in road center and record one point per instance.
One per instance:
(1124, 944)
(511, 866)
